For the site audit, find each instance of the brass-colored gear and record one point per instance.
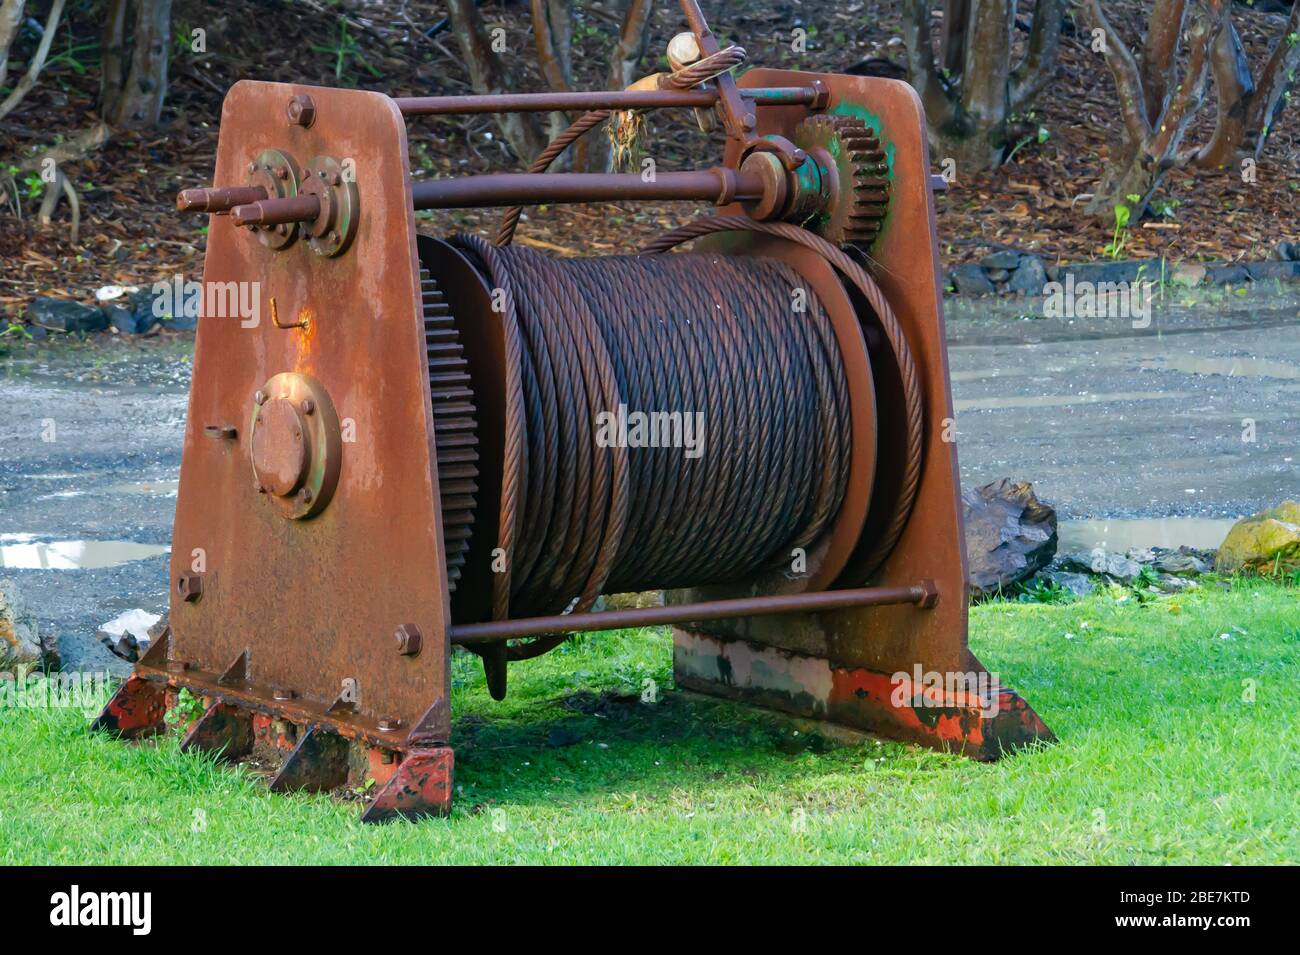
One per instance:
(858, 194)
(454, 425)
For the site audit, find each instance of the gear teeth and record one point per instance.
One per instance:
(455, 426)
(859, 159)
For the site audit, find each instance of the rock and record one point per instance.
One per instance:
(20, 640)
(61, 315)
(1185, 561)
(1265, 543)
(1115, 566)
(128, 634)
(1227, 275)
(82, 653)
(1006, 259)
(1010, 535)
(1287, 252)
(1281, 271)
(1188, 274)
(1110, 271)
(997, 275)
(1078, 584)
(1169, 584)
(969, 279)
(1029, 277)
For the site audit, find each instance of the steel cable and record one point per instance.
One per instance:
(611, 356)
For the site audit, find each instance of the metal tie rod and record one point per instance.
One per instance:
(924, 595)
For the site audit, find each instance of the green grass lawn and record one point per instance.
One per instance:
(1162, 759)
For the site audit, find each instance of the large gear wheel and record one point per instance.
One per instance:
(858, 193)
(454, 425)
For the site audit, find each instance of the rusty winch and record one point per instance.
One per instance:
(427, 443)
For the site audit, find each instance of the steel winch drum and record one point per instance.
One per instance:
(439, 442)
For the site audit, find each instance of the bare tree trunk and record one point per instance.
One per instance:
(487, 76)
(984, 78)
(138, 99)
(971, 96)
(11, 18)
(1152, 146)
(1032, 75)
(630, 46)
(553, 35)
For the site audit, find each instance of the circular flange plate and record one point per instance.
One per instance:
(336, 188)
(294, 444)
(277, 173)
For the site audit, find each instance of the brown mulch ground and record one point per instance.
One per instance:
(131, 235)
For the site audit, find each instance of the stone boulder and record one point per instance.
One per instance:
(1264, 543)
(61, 315)
(20, 641)
(1010, 535)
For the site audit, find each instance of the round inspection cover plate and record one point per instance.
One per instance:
(294, 444)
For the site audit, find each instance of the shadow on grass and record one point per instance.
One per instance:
(588, 743)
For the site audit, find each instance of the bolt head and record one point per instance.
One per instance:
(260, 398)
(302, 110)
(189, 587)
(308, 406)
(409, 639)
(389, 724)
(305, 495)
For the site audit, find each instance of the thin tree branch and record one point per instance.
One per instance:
(1275, 78)
(1034, 71)
(24, 85)
(1234, 89)
(1206, 22)
(1160, 52)
(1124, 69)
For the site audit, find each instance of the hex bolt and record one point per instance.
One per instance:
(189, 586)
(252, 168)
(308, 406)
(282, 171)
(389, 724)
(409, 640)
(305, 495)
(260, 398)
(302, 111)
(281, 693)
(177, 666)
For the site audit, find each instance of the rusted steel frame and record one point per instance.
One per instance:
(923, 594)
(261, 699)
(718, 185)
(595, 99)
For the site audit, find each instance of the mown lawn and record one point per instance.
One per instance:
(1162, 759)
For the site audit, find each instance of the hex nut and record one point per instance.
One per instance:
(302, 110)
(409, 640)
(189, 587)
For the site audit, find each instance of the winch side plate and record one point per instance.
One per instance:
(316, 601)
